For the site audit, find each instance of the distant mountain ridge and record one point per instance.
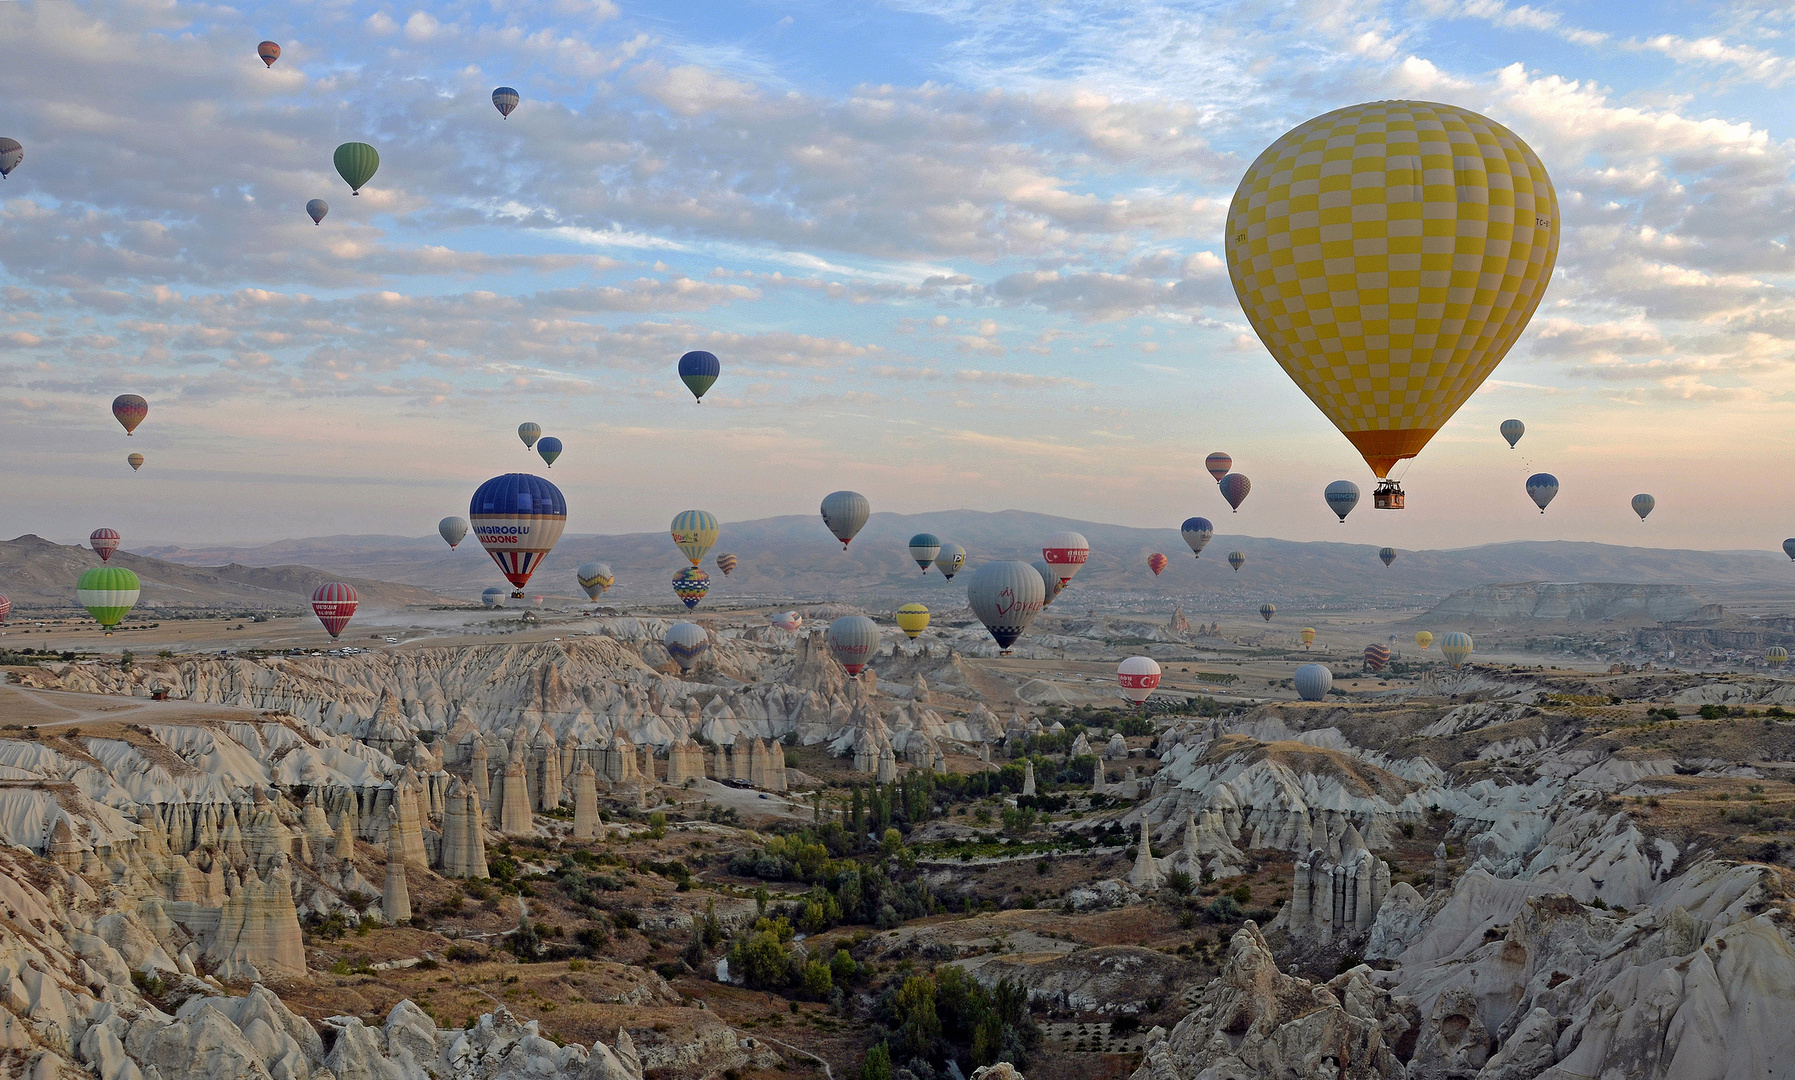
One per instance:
(794, 557)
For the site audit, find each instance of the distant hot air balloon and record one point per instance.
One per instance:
(504, 99)
(1423, 639)
(1342, 496)
(698, 370)
(453, 530)
(1050, 582)
(694, 533)
(690, 585)
(1390, 381)
(1512, 430)
(1235, 488)
(1387, 554)
(1789, 547)
(853, 640)
(1267, 610)
(135, 461)
(129, 410)
(923, 548)
(1313, 681)
(1642, 505)
(108, 593)
(845, 512)
(1156, 562)
(1218, 465)
(549, 448)
(1237, 559)
(492, 597)
(269, 52)
(1776, 656)
(104, 542)
(1197, 532)
(517, 518)
(1542, 488)
(1377, 656)
(686, 642)
(334, 602)
(726, 563)
(356, 163)
(5, 608)
(529, 433)
(913, 619)
(594, 578)
(1139, 677)
(317, 208)
(788, 620)
(1307, 633)
(953, 556)
(1456, 646)
(1006, 596)
(11, 153)
(1066, 552)
(536, 600)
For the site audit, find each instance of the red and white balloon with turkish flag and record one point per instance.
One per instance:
(1066, 553)
(334, 603)
(1139, 676)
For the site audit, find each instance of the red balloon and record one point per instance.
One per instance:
(269, 52)
(334, 603)
(1376, 656)
(1156, 562)
(129, 410)
(104, 542)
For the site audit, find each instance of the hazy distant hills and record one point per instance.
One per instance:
(35, 573)
(794, 557)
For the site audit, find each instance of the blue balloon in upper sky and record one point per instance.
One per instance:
(1542, 488)
(1197, 532)
(1342, 496)
(698, 370)
(549, 447)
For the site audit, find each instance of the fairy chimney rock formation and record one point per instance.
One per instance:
(514, 811)
(395, 898)
(1028, 778)
(464, 844)
(1145, 875)
(585, 802)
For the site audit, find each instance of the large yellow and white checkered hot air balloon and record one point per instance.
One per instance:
(1388, 255)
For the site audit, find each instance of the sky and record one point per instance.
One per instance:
(950, 253)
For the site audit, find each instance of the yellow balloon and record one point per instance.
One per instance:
(1423, 639)
(1307, 633)
(1388, 255)
(913, 619)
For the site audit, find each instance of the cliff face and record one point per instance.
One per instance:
(1572, 601)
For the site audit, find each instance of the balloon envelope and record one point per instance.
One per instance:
(853, 639)
(11, 153)
(1267, 610)
(5, 608)
(1377, 656)
(453, 530)
(517, 518)
(1456, 646)
(1313, 681)
(686, 642)
(334, 602)
(1307, 633)
(1789, 547)
(1197, 532)
(1776, 656)
(1156, 562)
(135, 461)
(694, 533)
(492, 597)
(356, 163)
(1050, 581)
(923, 548)
(1237, 559)
(845, 512)
(953, 556)
(594, 578)
(1363, 195)
(1235, 488)
(549, 448)
(529, 433)
(1139, 677)
(1512, 430)
(1642, 505)
(1342, 496)
(1006, 596)
(317, 208)
(104, 542)
(504, 99)
(1218, 465)
(1423, 638)
(690, 585)
(913, 619)
(1542, 488)
(788, 620)
(1066, 552)
(1388, 555)
(108, 593)
(129, 410)
(698, 370)
(727, 563)
(269, 52)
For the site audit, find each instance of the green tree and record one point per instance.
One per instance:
(817, 979)
(877, 1065)
(918, 1023)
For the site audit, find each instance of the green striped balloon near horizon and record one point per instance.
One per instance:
(356, 163)
(108, 593)
(694, 533)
